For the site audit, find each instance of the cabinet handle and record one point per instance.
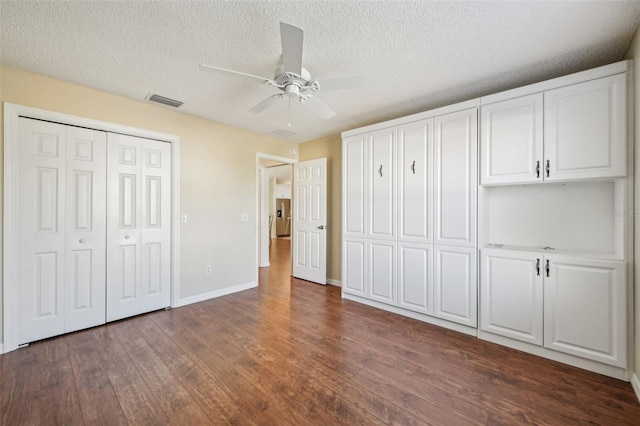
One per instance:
(547, 269)
(538, 267)
(380, 170)
(538, 169)
(548, 167)
(413, 167)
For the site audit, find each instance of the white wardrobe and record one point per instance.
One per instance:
(409, 222)
(93, 227)
(528, 244)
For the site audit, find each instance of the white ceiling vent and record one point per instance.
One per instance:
(282, 133)
(164, 101)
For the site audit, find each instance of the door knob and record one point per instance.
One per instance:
(81, 241)
(127, 237)
(322, 227)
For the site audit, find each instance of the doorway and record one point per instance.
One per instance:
(273, 189)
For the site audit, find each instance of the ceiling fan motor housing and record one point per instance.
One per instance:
(291, 83)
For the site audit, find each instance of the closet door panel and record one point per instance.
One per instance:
(155, 225)
(381, 181)
(455, 178)
(415, 181)
(85, 254)
(123, 230)
(354, 158)
(41, 246)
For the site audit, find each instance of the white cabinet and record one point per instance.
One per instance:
(512, 135)
(585, 129)
(415, 277)
(381, 195)
(456, 137)
(455, 284)
(354, 160)
(511, 294)
(574, 132)
(381, 273)
(585, 308)
(415, 174)
(415, 182)
(576, 306)
(354, 254)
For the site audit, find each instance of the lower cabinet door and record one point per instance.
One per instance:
(381, 271)
(511, 291)
(354, 254)
(455, 284)
(585, 310)
(415, 277)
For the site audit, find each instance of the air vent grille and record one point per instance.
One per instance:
(282, 133)
(165, 101)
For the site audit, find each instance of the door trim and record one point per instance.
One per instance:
(12, 113)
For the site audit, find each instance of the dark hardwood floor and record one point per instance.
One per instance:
(292, 352)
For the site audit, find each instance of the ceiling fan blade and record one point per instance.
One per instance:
(318, 107)
(265, 104)
(346, 83)
(291, 37)
(236, 74)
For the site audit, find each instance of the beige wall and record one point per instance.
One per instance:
(218, 173)
(331, 148)
(634, 52)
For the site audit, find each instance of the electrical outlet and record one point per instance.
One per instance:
(244, 217)
(208, 269)
(184, 218)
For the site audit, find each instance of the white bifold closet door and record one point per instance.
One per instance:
(61, 227)
(139, 226)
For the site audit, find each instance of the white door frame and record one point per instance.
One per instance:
(259, 204)
(12, 113)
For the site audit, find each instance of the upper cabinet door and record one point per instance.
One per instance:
(415, 182)
(456, 139)
(381, 180)
(585, 130)
(354, 162)
(511, 141)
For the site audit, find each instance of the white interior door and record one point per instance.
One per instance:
(139, 239)
(309, 220)
(61, 229)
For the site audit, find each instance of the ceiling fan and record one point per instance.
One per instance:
(292, 79)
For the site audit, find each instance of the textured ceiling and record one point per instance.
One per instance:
(423, 54)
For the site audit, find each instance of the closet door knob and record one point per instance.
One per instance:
(127, 237)
(81, 241)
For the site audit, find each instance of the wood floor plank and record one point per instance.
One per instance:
(289, 353)
(97, 398)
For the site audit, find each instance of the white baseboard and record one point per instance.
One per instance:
(336, 283)
(635, 382)
(216, 293)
